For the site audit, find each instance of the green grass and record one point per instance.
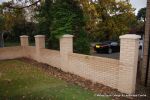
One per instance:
(19, 80)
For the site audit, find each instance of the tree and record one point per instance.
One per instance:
(90, 14)
(15, 19)
(63, 17)
(6, 20)
(141, 14)
(107, 19)
(44, 20)
(1, 31)
(68, 18)
(141, 17)
(116, 18)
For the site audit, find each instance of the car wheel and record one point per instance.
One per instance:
(109, 50)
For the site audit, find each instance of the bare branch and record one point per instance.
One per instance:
(35, 3)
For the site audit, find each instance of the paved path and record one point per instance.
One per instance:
(113, 55)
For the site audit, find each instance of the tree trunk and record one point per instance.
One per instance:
(146, 43)
(1, 40)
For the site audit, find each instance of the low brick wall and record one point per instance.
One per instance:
(29, 52)
(98, 69)
(119, 74)
(11, 52)
(51, 57)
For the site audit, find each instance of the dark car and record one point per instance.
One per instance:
(107, 47)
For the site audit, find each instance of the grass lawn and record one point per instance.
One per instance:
(19, 80)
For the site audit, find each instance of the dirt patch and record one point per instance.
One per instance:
(140, 89)
(98, 88)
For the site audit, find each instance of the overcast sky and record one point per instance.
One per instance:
(136, 3)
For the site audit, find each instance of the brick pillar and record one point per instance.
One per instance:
(24, 40)
(66, 47)
(40, 41)
(129, 49)
(39, 44)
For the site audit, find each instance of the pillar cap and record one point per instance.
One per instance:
(67, 36)
(24, 36)
(39, 36)
(130, 36)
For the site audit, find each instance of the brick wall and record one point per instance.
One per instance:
(119, 74)
(29, 52)
(98, 69)
(11, 52)
(51, 57)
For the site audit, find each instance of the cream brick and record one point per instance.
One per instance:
(24, 40)
(114, 73)
(39, 44)
(128, 63)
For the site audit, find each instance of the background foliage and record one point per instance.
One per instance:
(87, 20)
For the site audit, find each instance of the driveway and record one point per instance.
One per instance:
(113, 55)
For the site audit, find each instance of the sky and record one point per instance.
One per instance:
(136, 4)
